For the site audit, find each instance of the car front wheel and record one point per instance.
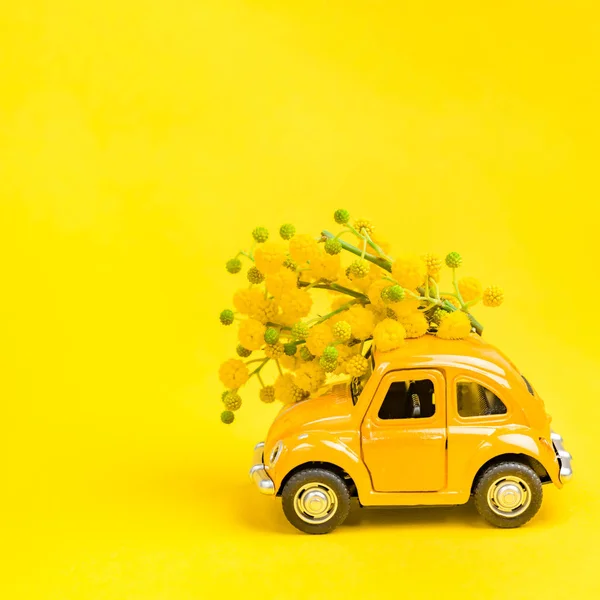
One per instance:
(316, 501)
(508, 494)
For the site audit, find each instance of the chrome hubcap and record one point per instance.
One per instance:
(315, 503)
(509, 496)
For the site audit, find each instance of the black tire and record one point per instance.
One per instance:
(524, 479)
(323, 484)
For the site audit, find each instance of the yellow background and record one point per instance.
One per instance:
(139, 144)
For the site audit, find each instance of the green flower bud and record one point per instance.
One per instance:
(255, 276)
(271, 335)
(359, 268)
(226, 317)
(342, 331)
(395, 293)
(300, 331)
(438, 315)
(454, 260)
(227, 417)
(290, 349)
(305, 354)
(331, 352)
(243, 352)
(232, 401)
(333, 246)
(233, 265)
(329, 364)
(341, 216)
(260, 234)
(224, 394)
(287, 231)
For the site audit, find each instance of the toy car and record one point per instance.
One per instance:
(432, 423)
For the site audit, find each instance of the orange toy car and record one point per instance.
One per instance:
(431, 423)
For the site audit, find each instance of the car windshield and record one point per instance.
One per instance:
(357, 384)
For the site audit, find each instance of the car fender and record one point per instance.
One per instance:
(514, 443)
(316, 447)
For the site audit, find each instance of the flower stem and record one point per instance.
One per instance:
(455, 284)
(254, 360)
(279, 367)
(309, 285)
(376, 247)
(246, 254)
(437, 289)
(377, 260)
(363, 234)
(336, 288)
(451, 308)
(335, 312)
(342, 232)
(258, 369)
(472, 302)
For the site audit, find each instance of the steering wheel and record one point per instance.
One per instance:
(416, 406)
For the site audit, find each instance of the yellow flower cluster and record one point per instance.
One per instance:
(454, 326)
(233, 374)
(470, 289)
(269, 257)
(324, 266)
(374, 293)
(433, 264)
(310, 377)
(415, 324)
(319, 338)
(285, 388)
(388, 335)
(356, 365)
(293, 345)
(251, 334)
(295, 304)
(361, 321)
(279, 282)
(247, 301)
(493, 296)
(409, 271)
(303, 248)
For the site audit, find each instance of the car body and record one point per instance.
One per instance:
(431, 418)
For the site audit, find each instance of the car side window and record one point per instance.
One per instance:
(408, 400)
(475, 400)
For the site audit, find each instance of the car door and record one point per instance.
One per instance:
(404, 433)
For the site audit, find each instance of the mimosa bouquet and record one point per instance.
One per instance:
(372, 298)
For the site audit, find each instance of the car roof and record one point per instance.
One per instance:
(429, 348)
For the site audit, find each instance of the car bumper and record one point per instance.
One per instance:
(258, 472)
(564, 458)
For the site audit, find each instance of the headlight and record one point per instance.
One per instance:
(275, 453)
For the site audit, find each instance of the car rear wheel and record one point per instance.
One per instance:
(508, 494)
(316, 501)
